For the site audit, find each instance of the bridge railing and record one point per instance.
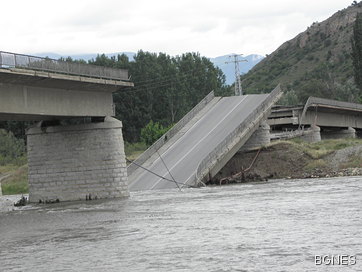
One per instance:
(12, 60)
(222, 147)
(169, 134)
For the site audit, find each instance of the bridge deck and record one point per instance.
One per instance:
(33, 88)
(184, 156)
(318, 111)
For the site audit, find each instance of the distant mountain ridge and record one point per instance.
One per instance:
(228, 69)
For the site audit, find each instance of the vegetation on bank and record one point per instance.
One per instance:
(17, 181)
(320, 149)
(295, 159)
(318, 153)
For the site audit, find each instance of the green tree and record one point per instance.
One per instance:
(166, 88)
(357, 50)
(12, 150)
(152, 132)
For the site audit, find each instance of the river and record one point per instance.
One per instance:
(278, 225)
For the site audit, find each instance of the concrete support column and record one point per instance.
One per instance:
(312, 135)
(77, 162)
(259, 138)
(339, 133)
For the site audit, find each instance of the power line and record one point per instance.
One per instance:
(236, 61)
(172, 79)
(165, 179)
(168, 170)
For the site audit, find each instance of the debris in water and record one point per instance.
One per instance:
(22, 202)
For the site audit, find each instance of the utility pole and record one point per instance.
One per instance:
(238, 89)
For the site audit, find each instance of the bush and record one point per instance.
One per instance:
(152, 131)
(17, 183)
(12, 150)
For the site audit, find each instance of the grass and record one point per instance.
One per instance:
(17, 182)
(321, 149)
(315, 164)
(8, 168)
(133, 150)
(353, 162)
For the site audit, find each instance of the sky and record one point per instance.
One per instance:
(212, 28)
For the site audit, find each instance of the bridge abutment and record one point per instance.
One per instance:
(77, 162)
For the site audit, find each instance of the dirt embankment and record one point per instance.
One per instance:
(290, 160)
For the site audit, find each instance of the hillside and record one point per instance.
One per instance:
(316, 62)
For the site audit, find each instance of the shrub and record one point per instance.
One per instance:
(152, 131)
(12, 150)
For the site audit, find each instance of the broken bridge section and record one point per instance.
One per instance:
(205, 143)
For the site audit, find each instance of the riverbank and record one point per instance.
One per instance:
(283, 159)
(295, 160)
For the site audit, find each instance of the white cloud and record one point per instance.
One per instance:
(207, 26)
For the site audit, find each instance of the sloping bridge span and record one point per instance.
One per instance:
(204, 144)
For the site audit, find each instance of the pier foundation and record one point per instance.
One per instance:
(77, 162)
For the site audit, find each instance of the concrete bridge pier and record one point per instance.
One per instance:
(77, 162)
(339, 133)
(259, 138)
(312, 135)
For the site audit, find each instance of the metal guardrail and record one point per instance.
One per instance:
(12, 60)
(169, 134)
(224, 145)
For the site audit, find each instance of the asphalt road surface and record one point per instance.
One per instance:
(184, 156)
